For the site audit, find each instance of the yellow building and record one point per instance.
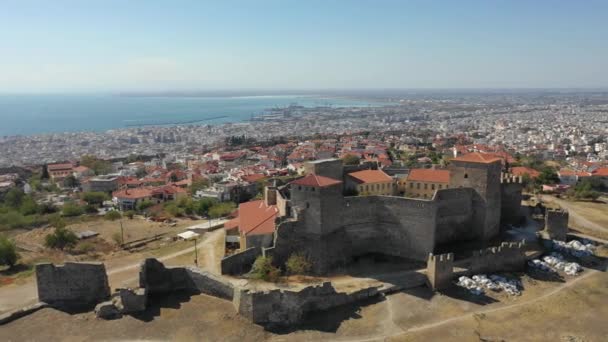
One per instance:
(371, 182)
(422, 183)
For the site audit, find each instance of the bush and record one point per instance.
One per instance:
(117, 237)
(112, 215)
(298, 264)
(221, 209)
(143, 205)
(72, 209)
(263, 269)
(130, 214)
(61, 238)
(90, 209)
(94, 197)
(351, 159)
(8, 252)
(85, 248)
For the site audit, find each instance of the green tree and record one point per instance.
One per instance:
(14, 197)
(263, 269)
(351, 159)
(28, 206)
(112, 215)
(143, 205)
(221, 209)
(70, 182)
(202, 206)
(8, 252)
(94, 197)
(547, 176)
(61, 238)
(100, 167)
(130, 214)
(297, 264)
(198, 185)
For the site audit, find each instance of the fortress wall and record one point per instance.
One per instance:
(409, 226)
(454, 215)
(511, 193)
(508, 257)
(283, 307)
(72, 284)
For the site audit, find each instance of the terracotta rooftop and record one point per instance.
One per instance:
(256, 218)
(55, 167)
(477, 157)
(370, 176)
(522, 170)
(429, 175)
(603, 171)
(316, 181)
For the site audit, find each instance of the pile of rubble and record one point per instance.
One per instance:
(123, 301)
(555, 262)
(574, 248)
(478, 283)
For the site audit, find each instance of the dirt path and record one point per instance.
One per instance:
(436, 324)
(16, 296)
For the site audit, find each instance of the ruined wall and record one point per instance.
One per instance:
(556, 224)
(454, 215)
(283, 307)
(440, 270)
(511, 197)
(72, 284)
(158, 279)
(241, 262)
(508, 257)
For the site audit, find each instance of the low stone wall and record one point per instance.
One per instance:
(241, 262)
(284, 307)
(158, 279)
(73, 284)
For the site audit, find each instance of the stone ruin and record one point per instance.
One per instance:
(72, 285)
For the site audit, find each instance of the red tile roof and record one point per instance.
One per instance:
(603, 171)
(56, 167)
(316, 181)
(253, 177)
(429, 175)
(370, 176)
(133, 193)
(522, 170)
(256, 218)
(477, 157)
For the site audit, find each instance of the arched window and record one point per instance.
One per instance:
(466, 175)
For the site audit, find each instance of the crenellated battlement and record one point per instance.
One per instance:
(509, 178)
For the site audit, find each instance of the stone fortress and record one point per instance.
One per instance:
(331, 229)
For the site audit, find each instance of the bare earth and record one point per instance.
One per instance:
(574, 310)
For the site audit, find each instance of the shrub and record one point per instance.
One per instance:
(90, 209)
(130, 214)
(112, 215)
(72, 209)
(298, 264)
(117, 237)
(8, 252)
(61, 238)
(85, 248)
(263, 269)
(143, 205)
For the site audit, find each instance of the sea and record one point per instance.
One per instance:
(39, 114)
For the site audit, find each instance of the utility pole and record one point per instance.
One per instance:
(122, 234)
(195, 253)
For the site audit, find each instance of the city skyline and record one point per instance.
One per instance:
(70, 46)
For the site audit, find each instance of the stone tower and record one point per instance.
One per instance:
(480, 172)
(318, 198)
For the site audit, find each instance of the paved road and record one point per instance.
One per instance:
(16, 296)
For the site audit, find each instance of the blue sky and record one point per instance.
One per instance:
(89, 45)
